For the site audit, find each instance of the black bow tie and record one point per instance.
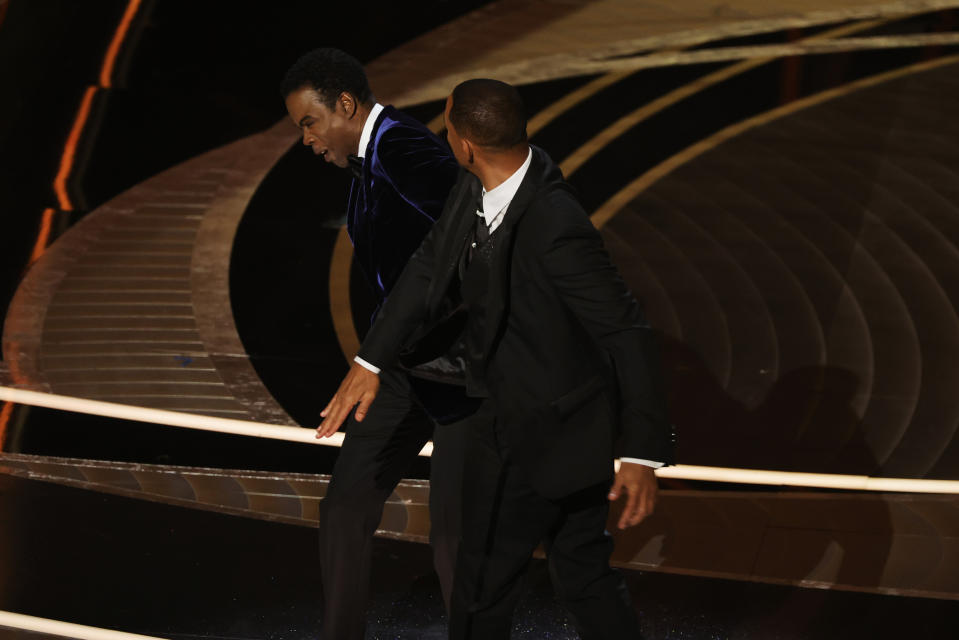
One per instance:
(356, 166)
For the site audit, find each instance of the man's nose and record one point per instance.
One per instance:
(308, 139)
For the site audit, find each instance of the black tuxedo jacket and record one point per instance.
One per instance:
(570, 363)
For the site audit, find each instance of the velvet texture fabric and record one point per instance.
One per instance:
(385, 226)
(407, 172)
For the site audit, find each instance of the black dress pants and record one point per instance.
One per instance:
(504, 521)
(375, 456)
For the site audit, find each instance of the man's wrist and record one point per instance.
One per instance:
(366, 365)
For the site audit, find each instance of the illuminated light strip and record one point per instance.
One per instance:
(68, 157)
(174, 418)
(64, 629)
(558, 108)
(611, 207)
(298, 434)
(5, 413)
(570, 100)
(720, 54)
(70, 150)
(106, 71)
(598, 142)
(41, 245)
(799, 479)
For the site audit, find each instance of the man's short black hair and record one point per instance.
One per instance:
(489, 113)
(329, 72)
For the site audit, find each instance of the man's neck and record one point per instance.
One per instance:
(495, 168)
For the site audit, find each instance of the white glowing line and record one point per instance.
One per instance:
(64, 629)
(173, 418)
(299, 434)
(799, 479)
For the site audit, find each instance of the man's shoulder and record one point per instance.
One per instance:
(395, 125)
(399, 137)
(554, 207)
(555, 201)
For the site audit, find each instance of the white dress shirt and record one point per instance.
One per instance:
(495, 203)
(368, 130)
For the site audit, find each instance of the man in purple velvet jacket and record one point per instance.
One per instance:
(403, 174)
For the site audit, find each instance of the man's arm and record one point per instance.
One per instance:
(579, 268)
(581, 271)
(401, 314)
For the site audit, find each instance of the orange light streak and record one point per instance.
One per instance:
(70, 150)
(106, 72)
(5, 412)
(41, 245)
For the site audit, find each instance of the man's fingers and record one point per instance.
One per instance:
(616, 489)
(631, 505)
(334, 418)
(358, 385)
(326, 410)
(642, 509)
(364, 406)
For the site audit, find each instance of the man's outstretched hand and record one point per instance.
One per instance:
(639, 483)
(359, 387)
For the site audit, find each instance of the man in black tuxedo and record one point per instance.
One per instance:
(403, 174)
(560, 351)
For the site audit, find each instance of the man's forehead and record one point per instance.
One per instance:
(307, 102)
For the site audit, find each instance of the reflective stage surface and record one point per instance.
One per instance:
(777, 184)
(120, 563)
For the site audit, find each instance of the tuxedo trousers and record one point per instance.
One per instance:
(376, 454)
(505, 519)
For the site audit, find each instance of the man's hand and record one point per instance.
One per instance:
(358, 387)
(639, 482)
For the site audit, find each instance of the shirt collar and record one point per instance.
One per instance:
(498, 198)
(368, 129)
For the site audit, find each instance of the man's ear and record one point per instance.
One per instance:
(467, 149)
(347, 102)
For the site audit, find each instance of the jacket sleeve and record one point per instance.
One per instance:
(407, 308)
(580, 269)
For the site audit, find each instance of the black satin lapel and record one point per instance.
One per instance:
(498, 294)
(463, 209)
(359, 227)
(499, 289)
(351, 210)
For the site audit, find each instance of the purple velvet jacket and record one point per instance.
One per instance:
(407, 173)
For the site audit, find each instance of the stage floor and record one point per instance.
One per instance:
(173, 572)
(776, 183)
